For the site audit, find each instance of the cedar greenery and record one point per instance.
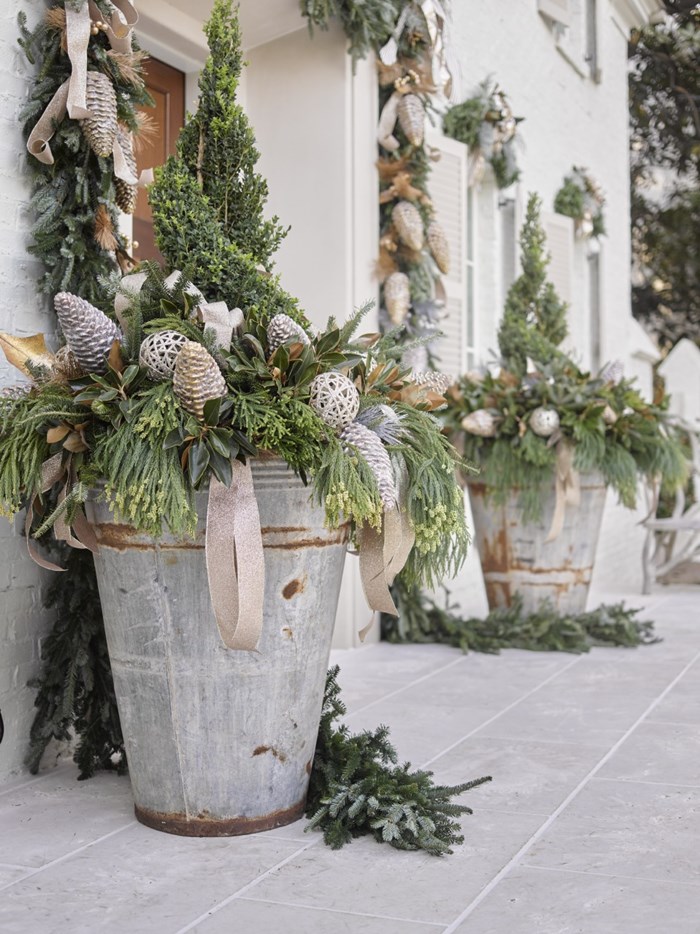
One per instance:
(357, 788)
(367, 24)
(424, 619)
(580, 198)
(75, 691)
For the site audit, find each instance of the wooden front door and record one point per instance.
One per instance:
(166, 85)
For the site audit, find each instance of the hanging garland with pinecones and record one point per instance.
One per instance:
(413, 60)
(75, 164)
(76, 199)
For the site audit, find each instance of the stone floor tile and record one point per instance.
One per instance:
(245, 915)
(528, 776)
(659, 752)
(421, 731)
(372, 878)
(682, 703)
(592, 714)
(625, 828)
(44, 820)
(10, 874)
(138, 882)
(534, 901)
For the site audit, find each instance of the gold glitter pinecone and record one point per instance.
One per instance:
(88, 331)
(197, 378)
(412, 118)
(101, 128)
(397, 296)
(126, 193)
(409, 224)
(66, 366)
(439, 247)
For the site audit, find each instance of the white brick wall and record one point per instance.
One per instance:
(23, 622)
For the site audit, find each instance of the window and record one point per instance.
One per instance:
(594, 309)
(470, 298)
(574, 24)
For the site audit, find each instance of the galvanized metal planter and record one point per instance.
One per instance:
(221, 742)
(515, 558)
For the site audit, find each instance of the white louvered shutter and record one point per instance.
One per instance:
(557, 10)
(448, 191)
(560, 244)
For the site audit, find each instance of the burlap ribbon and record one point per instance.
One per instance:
(383, 553)
(567, 488)
(52, 471)
(71, 95)
(235, 560)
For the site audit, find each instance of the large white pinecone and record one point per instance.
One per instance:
(88, 331)
(371, 448)
(397, 296)
(439, 246)
(125, 194)
(197, 378)
(437, 382)
(282, 329)
(412, 118)
(101, 128)
(409, 224)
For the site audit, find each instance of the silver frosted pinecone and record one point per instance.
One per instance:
(282, 329)
(368, 444)
(409, 224)
(125, 194)
(439, 246)
(101, 128)
(197, 378)
(88, 331)
(437, 382)
(412, 118)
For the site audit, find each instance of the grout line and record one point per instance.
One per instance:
(245, 888)
(510, 706)
(405, 687)
(339, 911)
(641, 781)
(67, 856)
(539, 833)
(512, 813)
(30, 781)
(608, 875)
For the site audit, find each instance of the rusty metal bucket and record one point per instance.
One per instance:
(516, 559)
(221, 742)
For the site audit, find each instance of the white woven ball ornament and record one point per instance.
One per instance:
(159, 352)
(481, 422)
(335, 399)
(544, 421)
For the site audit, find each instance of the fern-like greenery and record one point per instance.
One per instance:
(424, 619)
(357, 788)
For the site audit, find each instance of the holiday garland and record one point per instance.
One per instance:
(409, 40)
(486, 125)
(76, 199)
(581, 198)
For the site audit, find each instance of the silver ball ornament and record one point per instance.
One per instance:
(544, 421)
(335, 399)
(159, 352)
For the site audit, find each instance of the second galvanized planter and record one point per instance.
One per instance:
(218, 741)
(517, 559)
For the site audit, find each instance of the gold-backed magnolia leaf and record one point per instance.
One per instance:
(23, 350)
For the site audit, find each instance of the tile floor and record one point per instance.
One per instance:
(590, 826)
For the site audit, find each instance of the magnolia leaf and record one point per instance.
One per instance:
(75, 443)
(115, 359)
(57, 434)
(20, 351)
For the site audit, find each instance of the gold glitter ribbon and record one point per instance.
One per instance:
(567, 488)
(383, 554)
(235, 560)
(53, 470)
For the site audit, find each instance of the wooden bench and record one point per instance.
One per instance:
(674, 540)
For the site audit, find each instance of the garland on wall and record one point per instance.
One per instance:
(81, 170)
(486, 125)
(414, 64)
(581, 198)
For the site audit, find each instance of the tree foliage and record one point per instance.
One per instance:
(664, 96)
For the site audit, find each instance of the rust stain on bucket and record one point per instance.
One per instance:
(294, 587)
(203, 826)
